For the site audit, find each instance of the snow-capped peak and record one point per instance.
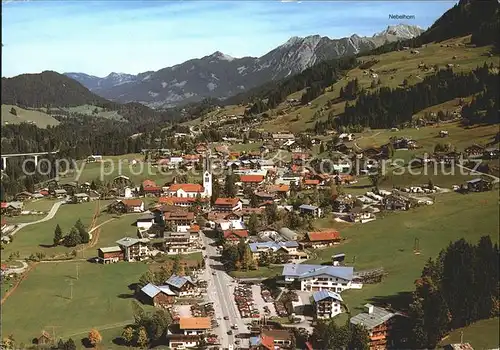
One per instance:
(401, 30)
(221, 56)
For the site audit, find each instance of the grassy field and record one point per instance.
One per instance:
(95, 111)
(428, 137)
(481, 335)
(112, 166)
(101, 298)
(388, 242)
(42, 120)
(38, 237)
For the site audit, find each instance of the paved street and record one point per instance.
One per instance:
(220, 291)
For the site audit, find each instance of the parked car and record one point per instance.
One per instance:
(229, 332)
(226, 318)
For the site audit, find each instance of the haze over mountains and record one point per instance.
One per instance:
(219, 75)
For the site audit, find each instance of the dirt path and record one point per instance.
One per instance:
(22, 278)
(30, 268)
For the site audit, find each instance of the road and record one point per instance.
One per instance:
(220, 291)
(49, 216)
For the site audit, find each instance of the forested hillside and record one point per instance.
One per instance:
(387, 108)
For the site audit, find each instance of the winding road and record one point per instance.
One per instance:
(49, 216)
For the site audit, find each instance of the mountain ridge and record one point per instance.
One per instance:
(219, 75)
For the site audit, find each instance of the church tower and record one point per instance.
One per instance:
(207, 175)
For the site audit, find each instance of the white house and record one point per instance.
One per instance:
(145, 222)
(135, 249)
(327, 304)
(314, 278)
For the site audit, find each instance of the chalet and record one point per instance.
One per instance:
(396, 202)
(288, 179)
(313, 278)
(346, 137)
(312, 210)
(322, 239)
(327, 304)
(266, 164)
(447, 158)
(23, 196)
(246, 212)
(282, 191)
(12, 208)
(343, 203)
(233, 236)
(121, 180)
(154, 191)
(227, 204)
(194, 233)
(185, 202)
(127, 206)
(224, 216)
(251, 180)
(44, 339)
(458, 346)
(186, 190)
(158, 296)
(94, 158)
(191, 159)
(381, 324)
(283, 137)
(479, 185)
(288, 234)
(134, 249)
(403, 143)
(182, 285)
(109, 255)
(189, 333)
(272, 339)
(341, 147)
(60, 193)
(264, 196)
(177, 242)
(81, 197)
(179, 218)
(145, 222)
(474, 151)
(443, 133)
(491, 153)
(361, 215)
(288, 250)
(262, 342)
(310, 183)
(324, 179)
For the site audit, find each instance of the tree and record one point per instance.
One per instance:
(376, 178)
(430, 185)
(142, 338)
(138, 312)
(230, 186)
(94, 337)
(73, 238)
(70, 345)
(176, 266)
(82, 231)
(253, 224)
(322, 148)
(128, 335)
(13, 111)
(57, 235)
(359, 338)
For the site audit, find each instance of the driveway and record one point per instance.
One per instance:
(49, 216)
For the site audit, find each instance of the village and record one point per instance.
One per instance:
(254, 227)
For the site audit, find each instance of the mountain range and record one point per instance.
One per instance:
(221, 76)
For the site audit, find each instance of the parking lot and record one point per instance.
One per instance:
(252, 302)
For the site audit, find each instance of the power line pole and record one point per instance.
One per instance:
(71, 289)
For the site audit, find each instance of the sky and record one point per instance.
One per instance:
(100, 37)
